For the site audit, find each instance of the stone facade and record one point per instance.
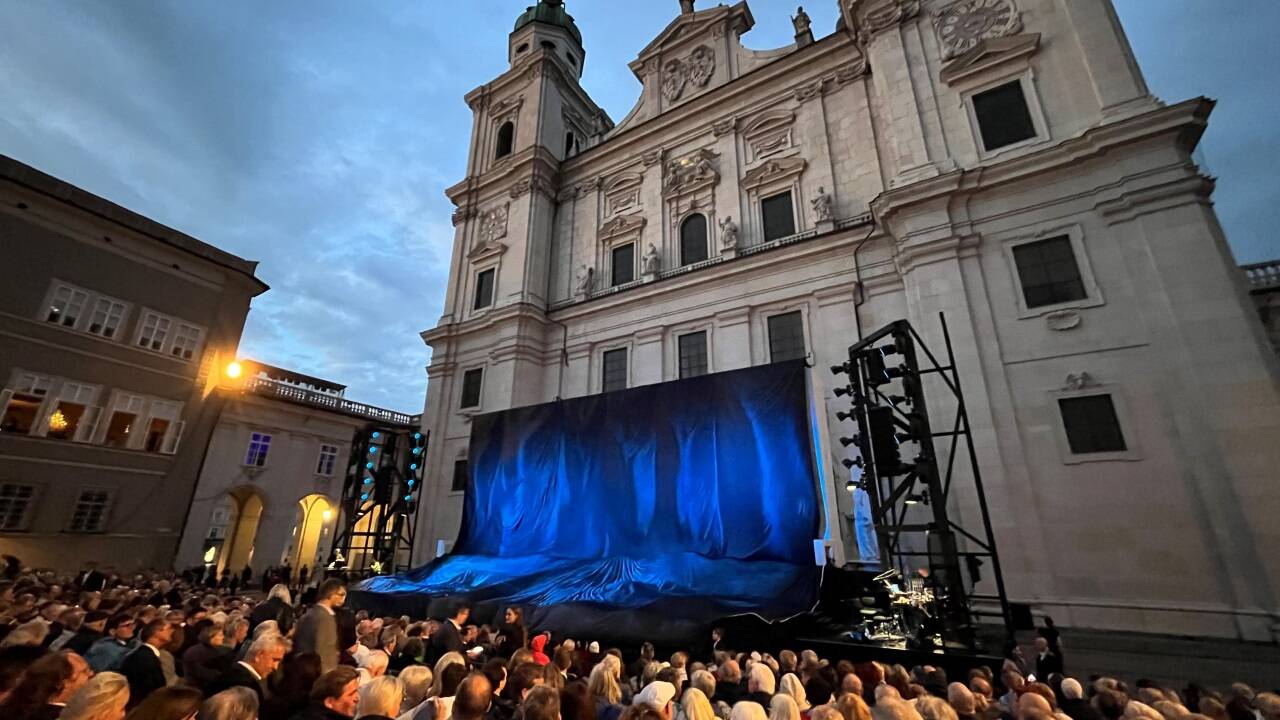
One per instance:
(112, 331)
(908, 196)
(1264, 286)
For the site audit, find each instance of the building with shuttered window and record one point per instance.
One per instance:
(112, 331)
(1002, 162)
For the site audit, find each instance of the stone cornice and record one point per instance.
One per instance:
(503, 315)
(536, 166)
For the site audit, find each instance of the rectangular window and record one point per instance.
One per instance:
(1092, 425)
(162, 430)
(693, 354)
(471, 381)
(155, 329)
(186, 341)
(67, 306)
(16, 503)
(623, 263)
(26, 398)
(615, 370)
(1003, 116)
(71, 409)
(1048, 272)
(786, 337)
(107, 316)
(779, 216)
(90, 515)
(459, 476)
(259, 446)
(484, 288)
(328, 460)
(123, 420)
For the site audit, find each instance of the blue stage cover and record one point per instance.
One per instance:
(700, 491)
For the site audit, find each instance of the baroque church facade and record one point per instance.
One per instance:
(999, 161)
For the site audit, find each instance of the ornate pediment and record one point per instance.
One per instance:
(769, 133)
(622, 193)
(963, 24)
(773, 170)
(621, 225)
(990, 53)
(691, 173)
(486, 250)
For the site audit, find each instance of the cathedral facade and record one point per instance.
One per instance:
(1001, 162)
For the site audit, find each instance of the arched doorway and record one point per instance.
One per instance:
(312, 533)
(233, 526)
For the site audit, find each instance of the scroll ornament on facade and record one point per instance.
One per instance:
(962, 25)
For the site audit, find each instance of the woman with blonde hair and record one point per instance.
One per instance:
(697, 706)
(447, 659)
(852, 707)
(380, 698)
(783, 707)
(791, 686)
(102, 698)
(603, 686)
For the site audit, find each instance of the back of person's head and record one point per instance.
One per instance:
(1110, 703)
(1072, 689)
(730, 672)
(640, 712)
(525, 677)
(496, 670)
(1170, 710)
(380, 696)
(703, 681)
(783, 707)
(298, 674)
(280, 591)
(44, 680)
(935, 708)
(603, 682)
(1269, 705)
(668, 674)
(748, 710)
(332, 684)
(1032, 706)
(762, 679)
(542, 703)
(563, 658)
(826, 712)
(1045, 692)
(451, 678)
(473, 697)
(790, 684)
(176, 702)
(576, 702)
(237, 703)
(697, 705)
(104, 696)
(852, 707)
(417, 683)
(894, 709)
(329, 588)
(31, 633)
(375, 661)
(961, 699)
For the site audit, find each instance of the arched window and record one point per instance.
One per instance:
(506, 139)
(547, 44)
(524, 48)
(693, 239)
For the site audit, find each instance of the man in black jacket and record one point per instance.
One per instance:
(90, 632)
(142, 666)
(449, 637)
(1047, 663)
(263, 658)
(278, 607)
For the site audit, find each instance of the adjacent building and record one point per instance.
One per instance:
(112, 331)
(270, 490)
(1001, 162)
(1264, 287)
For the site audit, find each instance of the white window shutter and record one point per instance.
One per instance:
(138, 436)
(88, 425)
(171, 441)
(5, 397)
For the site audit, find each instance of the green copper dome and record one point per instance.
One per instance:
(551, 12)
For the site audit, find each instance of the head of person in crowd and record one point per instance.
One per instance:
(51, 680)
(176, 702)
(658, 695)
(541, 703)
(417, 683)
(237, 703)
(102, 698)
(380, 698)
(332, 593)
(337, 691)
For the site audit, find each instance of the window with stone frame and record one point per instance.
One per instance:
(778, 215)
(484, 288)
(90, 514)
(693, 239)
(20, 404)
(1048, 272)
(259, 448)
(786, 337)
(67, 305)
(471, 386)
(460, 474)
(692, 351)
(506, 140)
(622, 264)
(1092, 424)
(327, 460)
(1003, 116)
(614, 370)
(17, 501)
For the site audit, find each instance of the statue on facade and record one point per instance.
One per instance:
(585, 277)
(728, 234)
(650, 263)
(801, 21)
(686, 7)
(822, 206)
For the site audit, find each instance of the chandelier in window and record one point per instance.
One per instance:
(57, 421)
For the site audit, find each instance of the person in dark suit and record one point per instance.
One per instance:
(449, 637)
(317, 631)
(142, 666)
(259, 662)
(1047, 663)
(278, 607)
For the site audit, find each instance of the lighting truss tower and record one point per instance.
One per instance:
(886, 373)
(380, 498)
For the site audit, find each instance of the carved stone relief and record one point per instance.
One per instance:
(697, 69)
(1062, 320)
(622, 193)
(1079, 381)
(702, 64)
(674, 77)
(494, 223)
(690, 173)
(889, 14)
(962, 25)
(769, 134)
(773, 170)
(621, 225)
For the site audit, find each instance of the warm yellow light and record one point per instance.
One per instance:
(233, 370)
(210, 555)
(57, 421)
(327, 515)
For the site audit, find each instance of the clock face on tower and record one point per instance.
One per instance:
(962, 25)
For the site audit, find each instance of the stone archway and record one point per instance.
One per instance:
(233, 527)
(312, 533)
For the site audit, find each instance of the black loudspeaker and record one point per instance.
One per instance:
(1022, 618)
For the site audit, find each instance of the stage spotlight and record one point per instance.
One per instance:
(850, 464)
(852, 485)
(844, 415)
(842, 391)
(920, 498)
(375, 435)
(847, 441)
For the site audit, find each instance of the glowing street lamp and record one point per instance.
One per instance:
(233, 370)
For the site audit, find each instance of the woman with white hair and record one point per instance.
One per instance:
(697, 706)
(373, 666)
(30, 633)
(761, 685)
(237, 703)
(379, 699)
(102, 698)
(783, 706)
(791, 685)
(447, 659)
(747, 709)
(417, 683)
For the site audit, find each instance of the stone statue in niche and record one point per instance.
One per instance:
(650, 264)
(728, 234)
(801, 21)
(585, 278)
(822, 206)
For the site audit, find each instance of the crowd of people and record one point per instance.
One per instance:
(149, 647)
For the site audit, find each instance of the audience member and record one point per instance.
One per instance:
(171, 703)
(317, 631)
(380, 699)
(236, 703)
(104, 697)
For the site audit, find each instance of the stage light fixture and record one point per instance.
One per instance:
(920, 498)
(847, 441)
(417, 436)
(368, 481)
(417, 451)
(364, 496)
(376, 435)
(844, 415)
(843, 391)
(373, 449)
(413, 466)
(852, 485)
(407, 498)
(850, 464)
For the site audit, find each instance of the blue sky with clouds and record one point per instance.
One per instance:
(318, 136)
